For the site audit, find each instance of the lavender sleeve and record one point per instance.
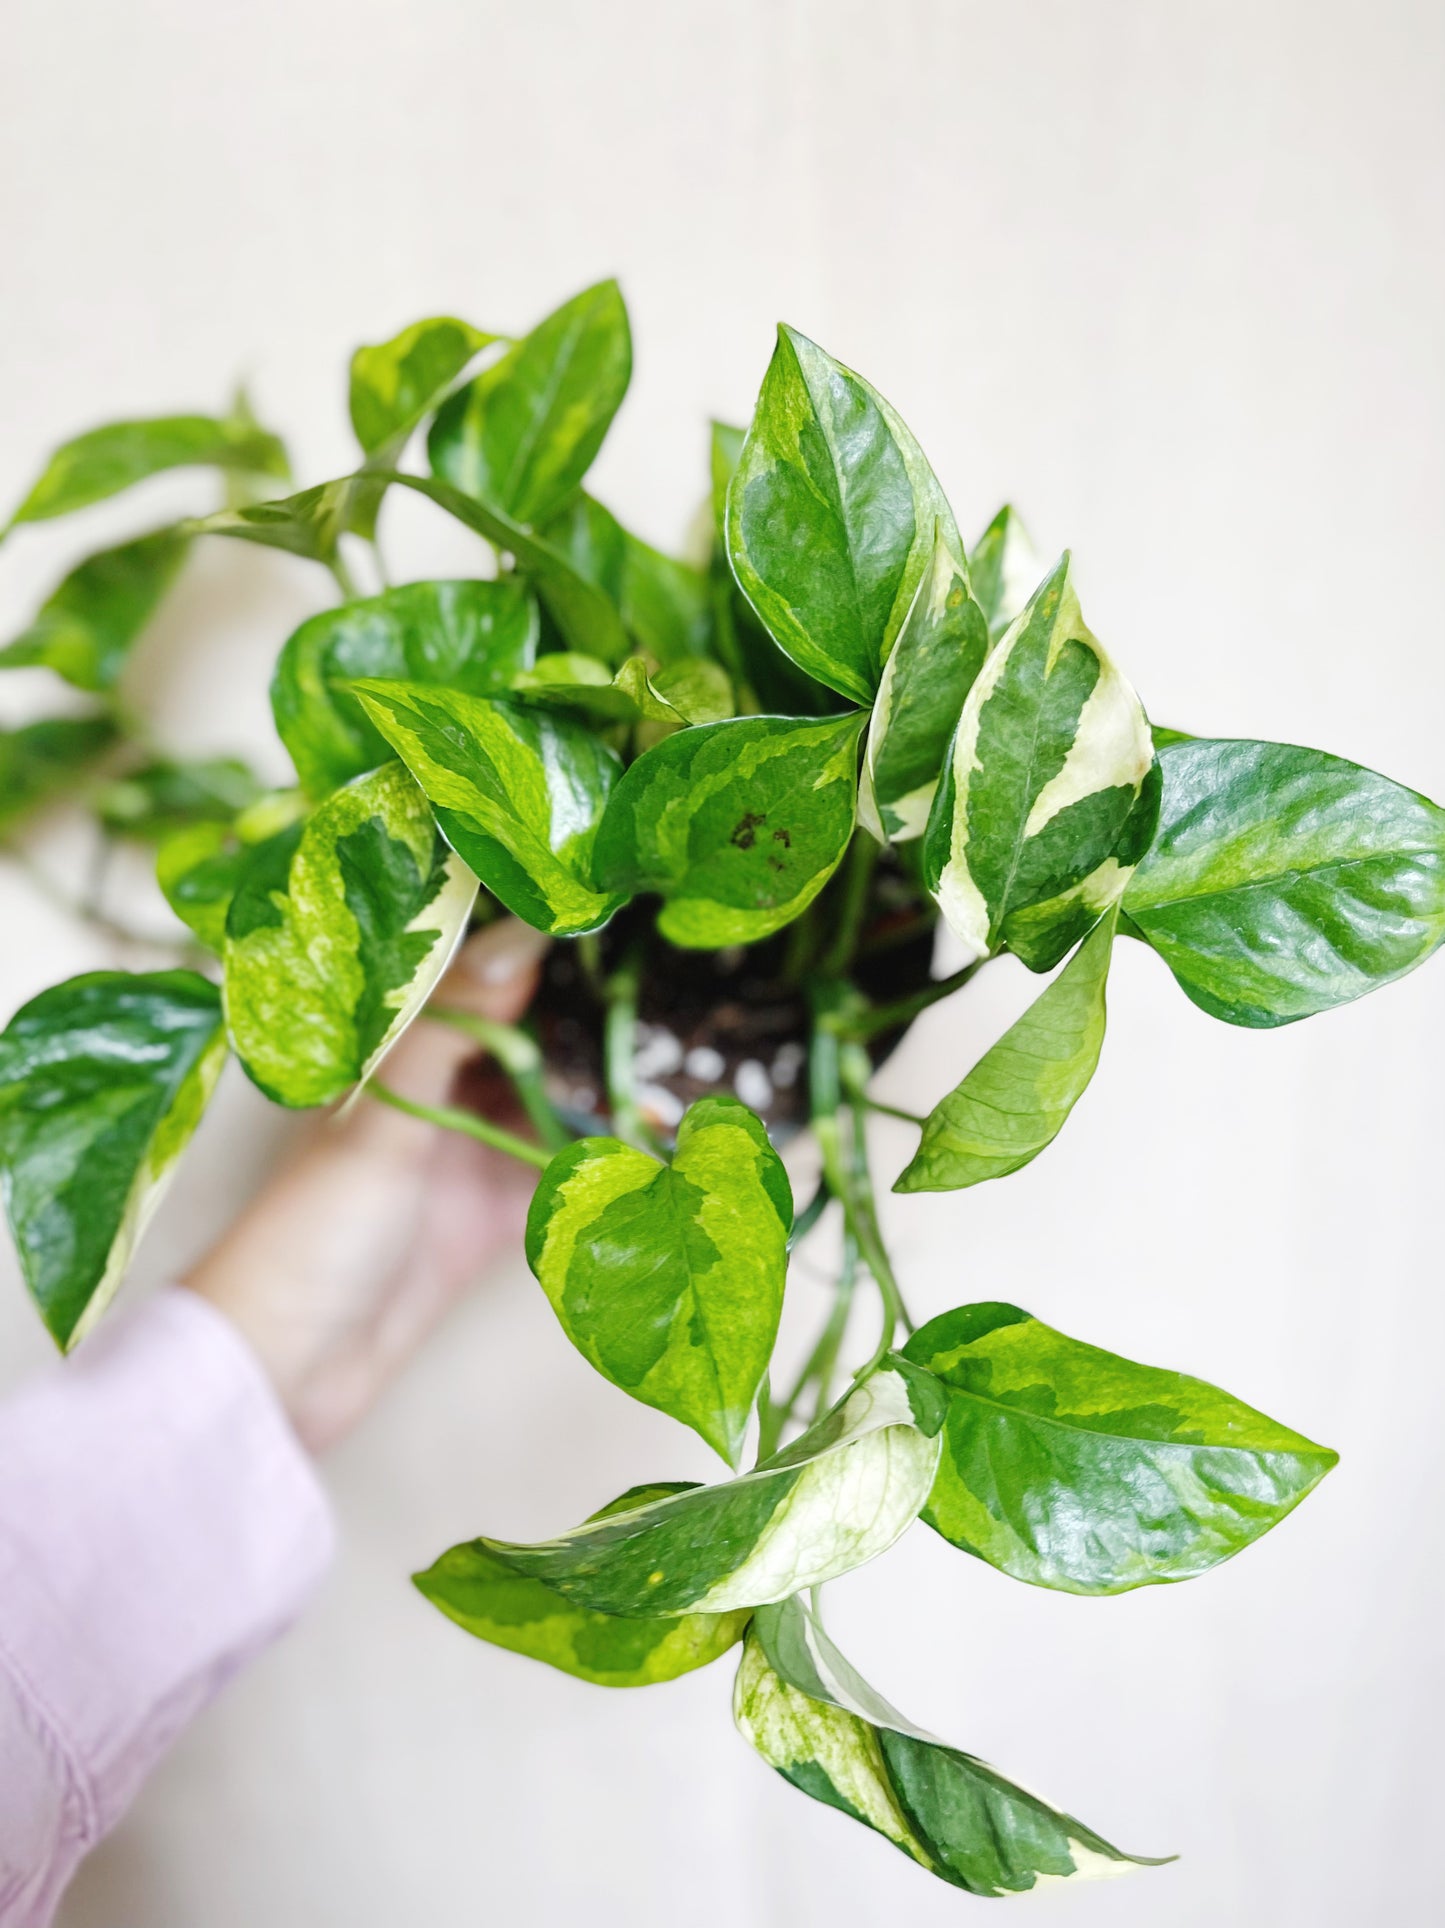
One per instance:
(159, 1524)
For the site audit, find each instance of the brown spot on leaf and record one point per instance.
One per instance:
(746, 833)
(782, 837)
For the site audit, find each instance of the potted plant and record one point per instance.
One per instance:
(742, 792)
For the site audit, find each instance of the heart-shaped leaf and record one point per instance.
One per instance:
(518, 792)
(106, 460)
(480, 1592)
(524, 432)
(85, 627)
(823, 1728)
(838, 1496)
(831, 517)
(1004, 568)
(738, 825)
(337, 931)
(1051, 793)
(39, 760)
(931, 669)
(102, 1081)
(471, 635)
(669, 1278)
(1282, 882)
(1072, 1468)
(1016, 1098)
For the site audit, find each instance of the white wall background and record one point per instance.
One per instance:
(1170, 277)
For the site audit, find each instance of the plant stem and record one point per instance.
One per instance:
(619, 1049)
(885, 1017)
(520, 1057)
(450, 1118)
(893, 1111)
(863, 855)
(345, 581)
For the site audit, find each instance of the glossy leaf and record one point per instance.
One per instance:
(1051, 794)
(85, 627)
(337, 931)
(669, 1278)
(664, 604)
(832, 517)
(164, 795)
(1016, 1098)
(931, 668)
(106, 460)
(524, 432)
(1072, 1468)
(199, 868)
(738, 825)
(517, 791)
(395, 384)
(580, 686)
(823, 1728)
(39, 760)
(102, 1081)
(480, 1592)
(1005, 569)
(1282, 881)
(586, 616)
(471, 635)
(838, 1496)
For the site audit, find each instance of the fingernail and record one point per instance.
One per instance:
(503, 951)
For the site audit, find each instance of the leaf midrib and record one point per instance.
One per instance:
(1093, 1432)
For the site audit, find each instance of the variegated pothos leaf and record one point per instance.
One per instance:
(838, 1496)
(831, 517)
(102, 1081)
(517, 791)
(1051, 792)
(1005, 568)
(811, 1716)
(669, 1278)
(930, 670)
(1073, 1468)
(337, 932)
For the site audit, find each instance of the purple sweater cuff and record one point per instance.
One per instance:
(159, 1524)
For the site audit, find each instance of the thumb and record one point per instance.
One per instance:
(493, 975)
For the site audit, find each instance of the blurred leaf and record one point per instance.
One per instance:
(395, 385)
(85, 627)
(39, 760)
(106, 460)
(163, 796)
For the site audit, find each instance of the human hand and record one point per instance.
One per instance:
(353, 1252)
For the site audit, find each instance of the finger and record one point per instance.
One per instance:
(494, 975)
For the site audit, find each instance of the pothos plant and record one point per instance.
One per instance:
(740, 792)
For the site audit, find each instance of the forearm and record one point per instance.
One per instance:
(159, 1523)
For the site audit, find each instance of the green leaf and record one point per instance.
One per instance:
(831, 517)
(1071, 1468)
(106, 460)
(480, 1592)
(337, 931)
(309, 524)
(1015, 1100)
(39, 760)
(580, 686)
(163, 796)
(522, 435)
(395, 384)
(85, 627)
(471, 635)
(664, 605)
(586, 615)
(836, 1497)
(931, 669)
(823, 1728)
(518, 793)
(1283, 882)
(1051, 793)
(669, 1278)
(102, 1081)
(199, 868)
(738, 825)
(1004, 568)
(699, 690)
